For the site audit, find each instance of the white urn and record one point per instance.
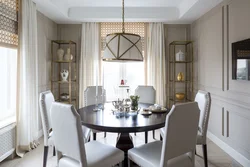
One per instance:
(60, 53)
(68, 56)
(180, 56)
(64, 75)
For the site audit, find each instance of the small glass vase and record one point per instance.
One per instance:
(134, 105)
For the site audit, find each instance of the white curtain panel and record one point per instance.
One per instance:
(156, 61)
(27, 103)
(89, 59)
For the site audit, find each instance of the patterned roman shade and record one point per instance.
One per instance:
(9, 22)
(134, 28)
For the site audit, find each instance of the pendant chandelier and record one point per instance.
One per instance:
(123, 46)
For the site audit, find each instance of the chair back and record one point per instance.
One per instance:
(45, 100)
(146, 93)
(67, 132)
(180, 132)
(204, 102)
(90, 95)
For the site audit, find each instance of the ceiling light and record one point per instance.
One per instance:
(123, 46)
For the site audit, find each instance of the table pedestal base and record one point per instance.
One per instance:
(124, 143)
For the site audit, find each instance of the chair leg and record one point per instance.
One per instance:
(45, 155)
(54, 151)
(204, 147)
(153, 134)
(94, 136)
(146, 137)
(105, 134)
(160, 137)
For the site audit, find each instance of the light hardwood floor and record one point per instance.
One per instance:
(216, 156)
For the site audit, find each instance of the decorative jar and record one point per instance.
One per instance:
(60, 53)
(68, 56)
(180, 56)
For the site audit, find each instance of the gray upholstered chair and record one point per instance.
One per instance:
(204, 102)
(45, 101)
(203, 99)
(90, 99)
(69, 143)
(178, 146)
(147, 95)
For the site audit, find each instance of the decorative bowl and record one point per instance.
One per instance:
(180, 96)
(64, 96)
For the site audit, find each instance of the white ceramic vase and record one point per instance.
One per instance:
(64, 75)
(60, 53)
(180, 56)
(68, 56)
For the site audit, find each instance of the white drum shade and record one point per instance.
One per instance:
(123, 47)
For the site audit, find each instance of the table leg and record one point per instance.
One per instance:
(124, 143)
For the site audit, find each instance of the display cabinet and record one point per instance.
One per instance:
(180, 72)
(64, 73)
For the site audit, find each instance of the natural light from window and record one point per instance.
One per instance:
(132, 73)
(8, 84)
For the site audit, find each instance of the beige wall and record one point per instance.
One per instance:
(46, 31)
(213, 35)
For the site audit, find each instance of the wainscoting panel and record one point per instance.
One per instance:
(216, 120)
(213, 35)
(238, 132)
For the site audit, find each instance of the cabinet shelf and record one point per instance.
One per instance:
(65, 101)
(71, 86)
(175, 67)
(181, 62)
(180, 81)
(64, 61)
(180, 101)
(64, 82)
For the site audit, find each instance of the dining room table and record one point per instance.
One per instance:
(123, 123)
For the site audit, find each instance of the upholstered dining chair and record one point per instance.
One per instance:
(70, 147)
(45, 101)
(178, 146)
(203, 99)
(147, 95)
(90, 99)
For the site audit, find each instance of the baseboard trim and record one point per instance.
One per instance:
(229, 150)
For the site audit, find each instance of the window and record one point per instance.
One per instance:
(8, 84)
(8, 59)
(132, 73)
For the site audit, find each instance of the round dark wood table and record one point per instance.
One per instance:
(107, 121)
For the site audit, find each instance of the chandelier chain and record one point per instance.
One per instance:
(123, 29)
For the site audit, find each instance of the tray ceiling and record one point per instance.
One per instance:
(168, 11)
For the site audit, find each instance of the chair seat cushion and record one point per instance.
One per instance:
(149, 155)
(97, 155)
